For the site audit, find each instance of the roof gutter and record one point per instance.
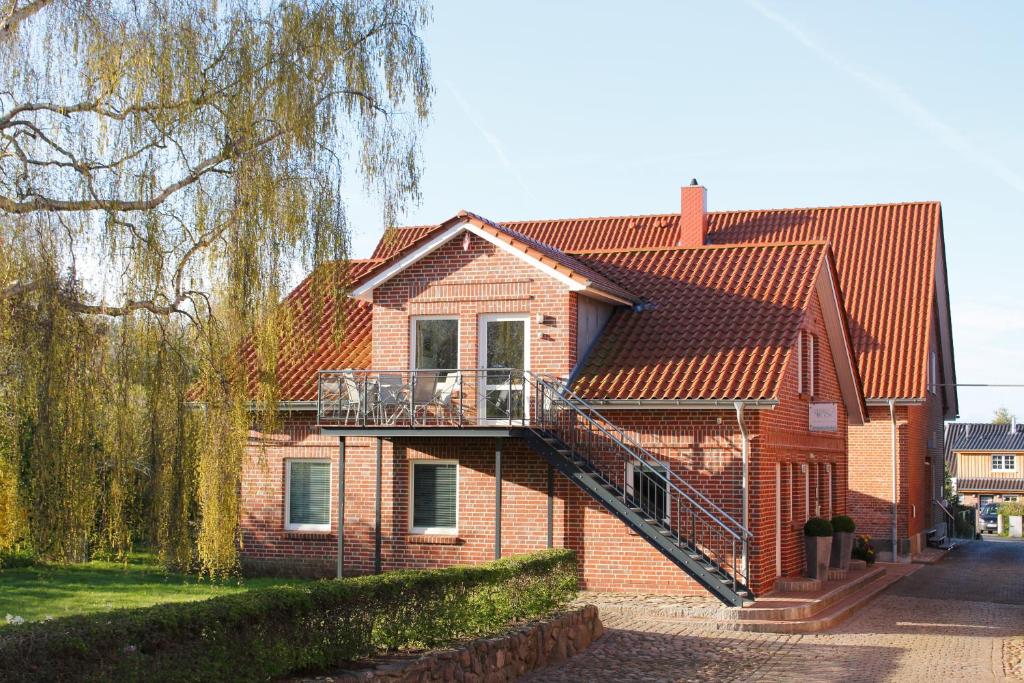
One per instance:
(896, 401)
(682, 404)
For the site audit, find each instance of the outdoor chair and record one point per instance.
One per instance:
(392, 399)
(350, 398)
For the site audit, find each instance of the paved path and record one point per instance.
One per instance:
(959, 620)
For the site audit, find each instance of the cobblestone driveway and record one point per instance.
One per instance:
(946, 622)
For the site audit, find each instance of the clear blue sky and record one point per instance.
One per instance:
(549, 109)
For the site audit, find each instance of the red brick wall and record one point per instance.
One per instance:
(467, 283)
(788, 443)
(703, 446)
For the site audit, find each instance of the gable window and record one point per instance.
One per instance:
(1004, 462)
(435, 343)
(811, 365)
(805, 363)
(933, 372)
(307, 495)
(435, 496)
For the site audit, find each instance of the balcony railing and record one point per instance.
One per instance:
(424, 398)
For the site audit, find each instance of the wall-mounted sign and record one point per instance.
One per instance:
(823, 417)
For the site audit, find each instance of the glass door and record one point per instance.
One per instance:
(504, 354)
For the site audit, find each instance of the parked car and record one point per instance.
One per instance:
(989, 515)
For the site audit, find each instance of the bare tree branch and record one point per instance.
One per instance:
(9, 22)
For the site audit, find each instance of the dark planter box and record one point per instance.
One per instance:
(817, 550)
(842, 549)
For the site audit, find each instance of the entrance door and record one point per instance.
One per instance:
(504, 355)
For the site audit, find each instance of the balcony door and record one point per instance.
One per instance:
(505, 354)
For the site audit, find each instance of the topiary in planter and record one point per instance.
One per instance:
(842, 523)
(817, 547)
(818, 526)
(842, 542)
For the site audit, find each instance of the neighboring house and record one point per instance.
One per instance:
(672, 396)
(986, 461)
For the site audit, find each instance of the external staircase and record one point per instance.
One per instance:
(688, 528)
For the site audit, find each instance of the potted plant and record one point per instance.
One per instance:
(864, 550)
(842, 541)
(818, 546)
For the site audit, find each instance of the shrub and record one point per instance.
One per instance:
(842, 523)
(863, 549)
(817, 526)
(266, 633)
(11, 559)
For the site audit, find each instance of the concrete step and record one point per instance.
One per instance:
(822, 621)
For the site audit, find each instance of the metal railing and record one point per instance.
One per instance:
(643, 482)
(510, 397)
(959, 523)
(423, 398)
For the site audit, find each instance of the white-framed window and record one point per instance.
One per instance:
(811, 369)
(800, 362)
(933, 372)
(434, 342)
(805, 469)
(307, 494)
(1004, 462)
(434, 497)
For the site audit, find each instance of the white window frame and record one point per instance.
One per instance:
(288, 526)
(810, 365)
(806, 470)
(800, 362)
(933, 372)
(412, 337)
(433, 530)
(1002, 462)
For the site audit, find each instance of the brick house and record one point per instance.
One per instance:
(671, 396)
(986, 462)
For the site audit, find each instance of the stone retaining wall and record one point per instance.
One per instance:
(504, 658)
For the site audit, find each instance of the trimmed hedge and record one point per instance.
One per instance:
(270, 632)
(818, 526)
(843, 524)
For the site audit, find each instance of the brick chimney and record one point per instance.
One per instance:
(693, 222)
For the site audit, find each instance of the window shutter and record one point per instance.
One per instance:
(310, 495)
(434, 495)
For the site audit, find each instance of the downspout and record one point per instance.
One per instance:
(744, 485)
(895, 484)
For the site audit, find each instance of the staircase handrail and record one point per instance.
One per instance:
(560, 389)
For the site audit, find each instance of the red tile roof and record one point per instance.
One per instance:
(310, 346)
(719, 323)
(885, 256)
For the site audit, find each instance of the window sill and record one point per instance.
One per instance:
(310, 533)
(433, 539)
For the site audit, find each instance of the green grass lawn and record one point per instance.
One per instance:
(48, 590)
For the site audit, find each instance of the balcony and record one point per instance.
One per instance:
(376, 401)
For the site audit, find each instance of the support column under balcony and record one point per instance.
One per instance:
(341, 506)
(497, 498)
(377, 507)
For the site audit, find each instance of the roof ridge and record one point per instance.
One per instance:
(875, 205)
(709, 247)
(566, 219)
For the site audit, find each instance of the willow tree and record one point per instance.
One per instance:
(165, 168)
